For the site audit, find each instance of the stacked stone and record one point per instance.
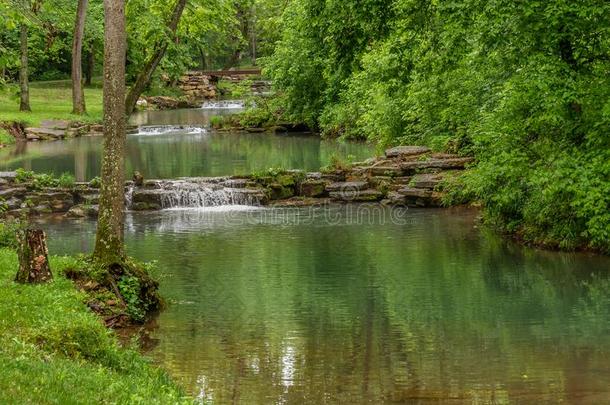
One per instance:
(197, 86)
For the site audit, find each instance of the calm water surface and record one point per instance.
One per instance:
(183, 151)
(339, 306)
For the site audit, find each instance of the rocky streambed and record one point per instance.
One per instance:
(405, 175)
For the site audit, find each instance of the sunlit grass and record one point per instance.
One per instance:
(54, 350)
(49, 100)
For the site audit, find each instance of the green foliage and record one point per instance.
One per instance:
(8, 231)
(6, 138)
(129, 288)
(338, 163)
(43, 180)
(522, 86)
(95, 182)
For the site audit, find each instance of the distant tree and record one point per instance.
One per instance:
(109, 246)
(24, 86)
(145, 76)
(78, 96)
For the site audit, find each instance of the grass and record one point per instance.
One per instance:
(49, 100)
(5, 138)
(53, 350)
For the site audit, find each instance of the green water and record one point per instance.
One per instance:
(184, 154)
(348, 306)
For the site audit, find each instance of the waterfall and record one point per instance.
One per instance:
(224, 105)
(197, 193)
(129, 196)
(169, 130)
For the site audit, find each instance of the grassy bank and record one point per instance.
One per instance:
(54, 350)
(49, 100)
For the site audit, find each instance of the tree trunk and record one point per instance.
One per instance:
(78, 96)
(24, 86)
(253, 35)
(33, 257)
(90, 66)
(143, 79)
(109, 247)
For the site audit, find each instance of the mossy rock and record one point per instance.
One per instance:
(277, 191)
(312, 188)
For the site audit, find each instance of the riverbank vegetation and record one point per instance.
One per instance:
(523, 87)
(53, 349)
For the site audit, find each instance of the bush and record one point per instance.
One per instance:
(8, 233)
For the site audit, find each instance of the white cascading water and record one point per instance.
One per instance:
(169, 129)
(223, 105)
(184, 194)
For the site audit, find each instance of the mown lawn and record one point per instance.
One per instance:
(49, 100)
(53, 350)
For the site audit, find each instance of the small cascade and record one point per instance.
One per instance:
(129, 196)
(169, 130)
(224, 105)
(195, 193)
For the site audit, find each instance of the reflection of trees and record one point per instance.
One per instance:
(353, 313)
(169, 156)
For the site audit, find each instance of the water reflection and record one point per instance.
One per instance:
(358, 312)
(173, 143)
(186, 153)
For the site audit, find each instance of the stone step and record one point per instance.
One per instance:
(401, 151)
(443, 164)
(427, 181)
(413, 192)
(347, 186)
(357, 195)
(44, 133)
(12, 192)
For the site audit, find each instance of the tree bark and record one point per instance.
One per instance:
(90, 65)
(33, 257)
(24, 85)
(143, 79)
(78, 96)
(109, 248)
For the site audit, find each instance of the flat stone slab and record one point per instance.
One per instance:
(385, 170)
(12, 192)
(357, 195)
(445, 164)
(347, 186)
(55, 124)
(428, 181)
(412, 192)
(46, 133)
(400, 151)
(8, 175)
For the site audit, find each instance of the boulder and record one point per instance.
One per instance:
(83, 211)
